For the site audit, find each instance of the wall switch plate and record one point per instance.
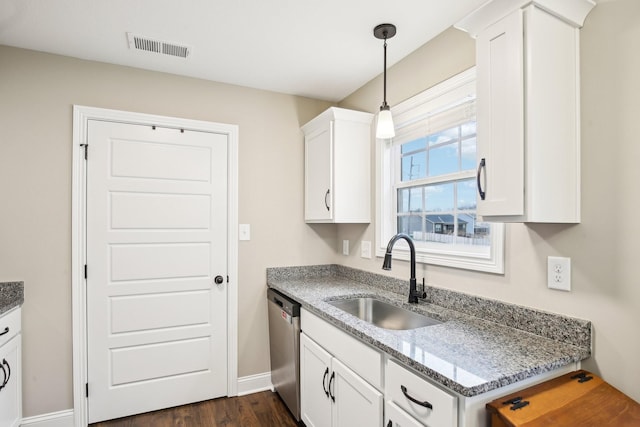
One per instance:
(365, 249)
(345, 247)
(559, 273)
(244, 232)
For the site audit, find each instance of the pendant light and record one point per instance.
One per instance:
(385, 128)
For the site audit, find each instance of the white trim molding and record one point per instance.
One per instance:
(574, 12)
(52, 419)
(254, 383)
(81, 116)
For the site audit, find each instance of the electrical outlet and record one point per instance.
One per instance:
(559, 273)
(345, 247)
(365, 249)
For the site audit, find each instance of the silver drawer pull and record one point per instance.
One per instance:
(5, 332)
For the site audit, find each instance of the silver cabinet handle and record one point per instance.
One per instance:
(325, 199)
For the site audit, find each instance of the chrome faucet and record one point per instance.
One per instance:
(386, 265)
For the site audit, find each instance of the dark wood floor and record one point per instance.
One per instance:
(262, 409)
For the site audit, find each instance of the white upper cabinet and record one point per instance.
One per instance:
(528, 109)
(338, 167)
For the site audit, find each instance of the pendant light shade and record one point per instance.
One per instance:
(385, 128)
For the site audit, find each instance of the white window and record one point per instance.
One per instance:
(426, 181)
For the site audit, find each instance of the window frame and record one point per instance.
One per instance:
(407, 112)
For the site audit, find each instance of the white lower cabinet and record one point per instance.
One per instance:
(10, 378)
(396, 417)
(342, 380)
(332, 395)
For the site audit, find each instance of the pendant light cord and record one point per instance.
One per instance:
(384, 95)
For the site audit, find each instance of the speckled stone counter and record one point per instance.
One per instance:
(481, 345)
(11, 295)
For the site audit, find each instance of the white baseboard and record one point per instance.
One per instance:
(246, 385)
(254, 383)
(53, 419)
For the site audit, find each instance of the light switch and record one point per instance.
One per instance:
(244, 232)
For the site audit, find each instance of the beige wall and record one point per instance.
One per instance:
(37, 92)
(604, 247)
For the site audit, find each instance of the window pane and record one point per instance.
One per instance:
(410, 225)
(468, 128)
(468, 160)
(432, 177)
(443, 160)
(444, 136)
(439, 197)
(415, 145)
(410, 200)
(467, 194)
(414, 166)
(473, 232)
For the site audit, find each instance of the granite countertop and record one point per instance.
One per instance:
(11, 295)
(481, 345)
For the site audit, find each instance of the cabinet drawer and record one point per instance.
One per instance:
(443, 411)
(9, 325)
(362, 359)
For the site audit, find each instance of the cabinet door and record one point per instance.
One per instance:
(10, 395)
(318, 165)
(500, 116)
(396, 417)
(315, 372)
(356, 402)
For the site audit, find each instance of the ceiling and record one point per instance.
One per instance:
(324, 49)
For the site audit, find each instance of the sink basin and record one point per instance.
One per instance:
(383, 314)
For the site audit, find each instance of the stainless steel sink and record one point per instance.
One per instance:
(383, 314)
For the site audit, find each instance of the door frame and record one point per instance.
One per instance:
(81, 116)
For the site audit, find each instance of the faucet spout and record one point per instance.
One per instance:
(386, 265)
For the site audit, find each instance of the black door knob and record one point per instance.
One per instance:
(218, 280)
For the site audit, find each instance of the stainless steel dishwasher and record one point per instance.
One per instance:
(284, 338)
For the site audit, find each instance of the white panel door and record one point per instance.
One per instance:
(500, 116)
(318, 173)
(11, 383)
(357, 403)
(315, 378)
(156, 240)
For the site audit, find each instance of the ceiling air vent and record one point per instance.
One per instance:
(157, 46)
